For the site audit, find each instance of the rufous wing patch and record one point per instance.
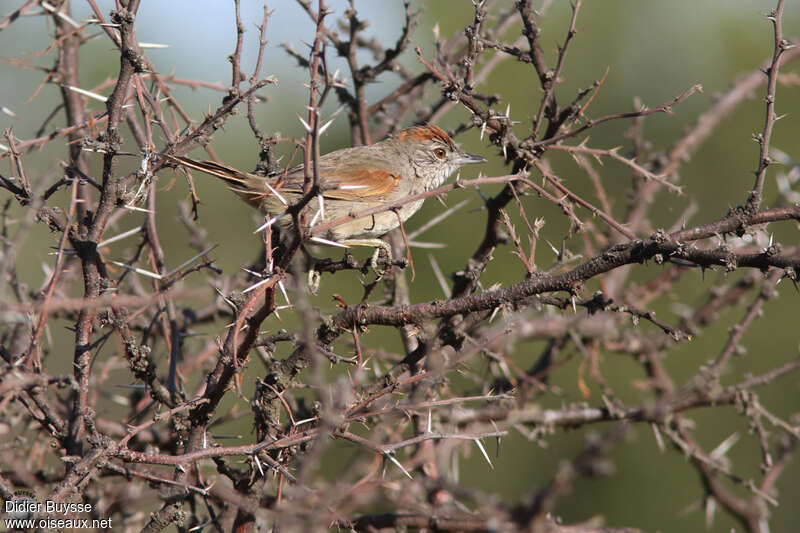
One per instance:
(358, 184)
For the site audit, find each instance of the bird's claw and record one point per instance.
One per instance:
(314, 278)
(375, 262)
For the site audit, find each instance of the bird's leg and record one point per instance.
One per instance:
(379, 246)
(314, 275)
(314, 278)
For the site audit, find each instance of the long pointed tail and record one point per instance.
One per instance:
(250, 188)
(229, 175)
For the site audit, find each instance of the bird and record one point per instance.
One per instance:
(414, 160)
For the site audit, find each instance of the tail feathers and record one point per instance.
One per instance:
(229, 175)
(249, 188)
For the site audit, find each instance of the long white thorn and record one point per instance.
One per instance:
(190, 260)
(282, 287)
(320, 240)
(154, 45)
(276, 193)
(326, 126)
(320, 214)
(258, 464)
(49, 7)
(396, 462)
(84, 92)
(483, 451)
(270, 222)
(139, 270)
(427, 245)
(134, 208)
(255, 285)
(119, 237)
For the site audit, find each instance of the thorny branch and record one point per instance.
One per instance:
(616, 284)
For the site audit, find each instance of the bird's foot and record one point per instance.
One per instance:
(376, 261)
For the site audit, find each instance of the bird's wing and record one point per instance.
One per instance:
(344, 181)
(339, 180)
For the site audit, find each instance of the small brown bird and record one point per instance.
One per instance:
(412, 161)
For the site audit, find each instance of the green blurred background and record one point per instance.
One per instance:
(653, 50)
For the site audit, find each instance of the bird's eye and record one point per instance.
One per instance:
(440, 153)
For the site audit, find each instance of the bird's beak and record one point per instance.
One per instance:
(465, 159)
